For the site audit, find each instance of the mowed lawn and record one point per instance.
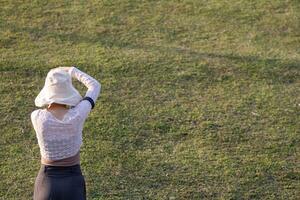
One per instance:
(200, 99)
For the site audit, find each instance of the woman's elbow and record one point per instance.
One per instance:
(98, 86)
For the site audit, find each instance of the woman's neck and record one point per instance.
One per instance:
(56, 106)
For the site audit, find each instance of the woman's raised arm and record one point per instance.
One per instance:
(92, 84)
(84, 107)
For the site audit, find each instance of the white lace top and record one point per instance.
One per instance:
(59, 139)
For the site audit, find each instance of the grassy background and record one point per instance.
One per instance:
(200, 99)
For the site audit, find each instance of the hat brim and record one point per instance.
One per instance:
(43, 98)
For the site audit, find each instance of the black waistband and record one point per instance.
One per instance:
(51, 168)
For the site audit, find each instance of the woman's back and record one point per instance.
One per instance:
(58, 138)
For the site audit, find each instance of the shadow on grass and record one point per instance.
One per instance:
(282, 71)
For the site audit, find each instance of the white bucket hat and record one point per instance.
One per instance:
(58, 88)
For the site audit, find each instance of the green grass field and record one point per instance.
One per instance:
(200, 99)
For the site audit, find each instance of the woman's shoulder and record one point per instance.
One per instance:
(38, 113)
(73, 116)
(35, 113)
(44, 115)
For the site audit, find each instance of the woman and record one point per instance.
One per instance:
(58, 128)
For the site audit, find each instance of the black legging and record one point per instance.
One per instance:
(58, 183)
